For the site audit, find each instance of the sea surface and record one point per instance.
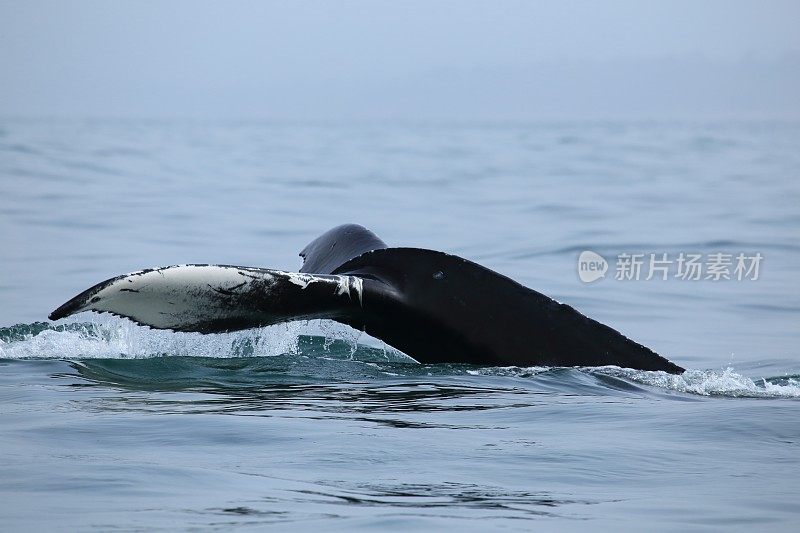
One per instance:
(105, 425)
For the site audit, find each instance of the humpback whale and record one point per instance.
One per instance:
(434, 307)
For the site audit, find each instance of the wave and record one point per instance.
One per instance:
(338, 354)
(726, 382)
(108, 337)
(714, 383)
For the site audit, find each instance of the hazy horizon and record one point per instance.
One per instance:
(416, 60)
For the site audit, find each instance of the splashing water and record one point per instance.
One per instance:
(714, 382)
(115, 338)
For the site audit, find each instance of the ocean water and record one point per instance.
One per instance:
(105, 425)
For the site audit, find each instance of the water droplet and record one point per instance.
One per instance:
(438, 275)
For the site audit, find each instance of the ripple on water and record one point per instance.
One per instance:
(116, 352)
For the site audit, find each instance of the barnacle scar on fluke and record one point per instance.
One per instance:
(435, 307)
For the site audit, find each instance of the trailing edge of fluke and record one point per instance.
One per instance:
(435, 307)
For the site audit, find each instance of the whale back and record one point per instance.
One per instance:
(337, 246)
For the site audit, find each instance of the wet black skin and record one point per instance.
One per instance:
(432, 306)
(442, 308)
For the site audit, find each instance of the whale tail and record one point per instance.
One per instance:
(433, 306)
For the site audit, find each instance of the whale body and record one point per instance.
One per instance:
(434, 307)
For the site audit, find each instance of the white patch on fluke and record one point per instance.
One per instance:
(300, 279)
(177, 296)
(358, 286)
(343, 285)
(212, 297)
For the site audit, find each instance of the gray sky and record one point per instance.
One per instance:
(410, 59)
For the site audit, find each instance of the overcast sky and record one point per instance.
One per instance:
(400, 59)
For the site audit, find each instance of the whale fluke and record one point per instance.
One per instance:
(435, 307)
(218, 298)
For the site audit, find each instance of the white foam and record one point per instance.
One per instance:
(710, 382)
(111, 337)
(702, 382)
(510, 371)
(94, 336)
